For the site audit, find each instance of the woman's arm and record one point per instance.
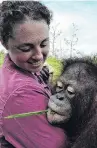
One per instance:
(32, 131)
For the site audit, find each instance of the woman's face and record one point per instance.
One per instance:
(29, 46)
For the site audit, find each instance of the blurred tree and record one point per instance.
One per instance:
(73, 41)
(55, 32)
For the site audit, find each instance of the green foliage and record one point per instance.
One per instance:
(1, 57)
(94, 59)
(56, 65)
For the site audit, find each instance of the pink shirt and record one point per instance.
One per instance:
(21, 92)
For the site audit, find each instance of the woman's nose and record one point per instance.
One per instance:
(38, 55)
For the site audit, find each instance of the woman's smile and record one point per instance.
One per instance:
(35, 64)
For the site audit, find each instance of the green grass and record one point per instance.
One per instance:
(1, 58)
(56, 65)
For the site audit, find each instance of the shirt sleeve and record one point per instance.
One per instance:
(33, 131)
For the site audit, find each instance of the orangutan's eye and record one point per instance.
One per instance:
(59, 86)
(70, 90)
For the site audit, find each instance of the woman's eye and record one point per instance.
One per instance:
(70, 90)
(24, 49)
(42, 45)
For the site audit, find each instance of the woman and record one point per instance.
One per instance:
(25, 34)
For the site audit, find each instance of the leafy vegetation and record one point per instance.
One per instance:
(1, 57)
(56, 65)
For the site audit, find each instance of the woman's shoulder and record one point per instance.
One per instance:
(12, 79)
(12, 74)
